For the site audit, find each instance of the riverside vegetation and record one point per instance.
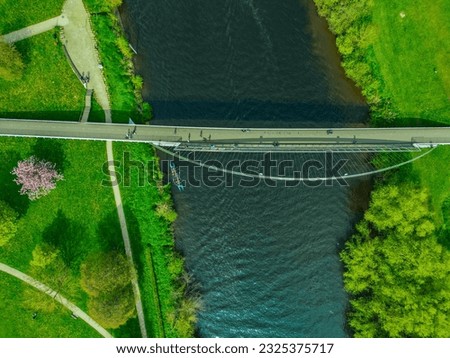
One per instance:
(57, 238)
(397, 265)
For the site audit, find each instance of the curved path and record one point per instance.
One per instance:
(35, 29)
(80, 44)
(56, 296)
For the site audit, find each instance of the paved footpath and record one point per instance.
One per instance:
(35, 29)
(81, 46)
(56, 296)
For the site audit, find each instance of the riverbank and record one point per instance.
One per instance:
(116, 57)
(398, 53)
(170, 312)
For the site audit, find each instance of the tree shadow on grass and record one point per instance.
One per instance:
(50, 150)
(96, 115)
(137, 247)
(128, 330)
(9, 189)
(444, 232)
(110, 234)
(66, 235)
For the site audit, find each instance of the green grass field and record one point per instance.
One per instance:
(55, 93)
(20, 13)
(16, 320)
(78, 217)
(413, 54)
(48, 89)
(433, 172)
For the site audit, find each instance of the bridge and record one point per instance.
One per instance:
(236, 139)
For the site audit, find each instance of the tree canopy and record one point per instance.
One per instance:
(11, 64)
(113, 309)
(396, 271)
(105, 272)
(8, 223)
(106, 277)
(37, 177)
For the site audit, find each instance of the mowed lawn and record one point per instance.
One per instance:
(48, 89)
(433, 171)
(78, 217)
(17, 319)
(413, 53)
(20, 13)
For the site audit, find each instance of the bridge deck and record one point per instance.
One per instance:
(226, 137)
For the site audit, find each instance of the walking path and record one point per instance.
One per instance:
(81, 46)
(87, 105)
(36, 29)
(56, 296)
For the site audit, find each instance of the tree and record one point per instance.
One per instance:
(37, 177)
(106, 278)
(184, 318)
(113, 309)
(112, 4)
(11, 64)
(48, 267)
(164, 210)
(105, 272)
(397, 273)
(8, 223)
(104, 5)
(43, 255)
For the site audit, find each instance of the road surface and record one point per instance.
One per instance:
(191, 136)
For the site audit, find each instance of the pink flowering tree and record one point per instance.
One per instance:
(37, 177)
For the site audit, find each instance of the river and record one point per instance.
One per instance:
(266, 259)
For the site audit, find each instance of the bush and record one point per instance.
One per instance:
(106, 278)
(111, 310)
(11, 64)
(102, 273)
(8, 223)
(164, 210)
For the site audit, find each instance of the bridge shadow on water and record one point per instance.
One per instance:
(257, 113)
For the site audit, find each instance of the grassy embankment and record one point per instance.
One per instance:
(116, 57)
(149, 212)
(148, 208)
(398, 54)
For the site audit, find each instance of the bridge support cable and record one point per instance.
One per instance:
(357, 164)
